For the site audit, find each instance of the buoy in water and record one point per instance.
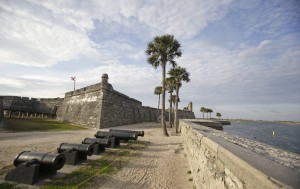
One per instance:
(273, 134)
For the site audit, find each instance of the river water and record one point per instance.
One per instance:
(286, 137)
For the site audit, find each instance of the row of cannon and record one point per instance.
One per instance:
(33, 166)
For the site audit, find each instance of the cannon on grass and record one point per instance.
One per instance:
(33, 166)
(75, 152)
(139, 133)
(99, 144)
(116, 137)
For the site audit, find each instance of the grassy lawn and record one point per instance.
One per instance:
(35, 124)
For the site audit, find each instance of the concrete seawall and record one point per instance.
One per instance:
(217, 163)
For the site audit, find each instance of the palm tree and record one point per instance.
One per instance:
(170, 85)
(218, 115)
(203, 110)
(209, 111)
(161, 51)
(158, 91)
(179, 74)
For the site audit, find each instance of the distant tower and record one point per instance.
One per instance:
(104, 81)
(190, 106)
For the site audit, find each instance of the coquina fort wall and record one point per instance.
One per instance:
(100, 106)
(30, 107)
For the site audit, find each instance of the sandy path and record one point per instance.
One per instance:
(161, 165)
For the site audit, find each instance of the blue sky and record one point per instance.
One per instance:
(243, 56)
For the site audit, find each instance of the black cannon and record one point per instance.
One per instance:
(32, 166)
(115, 137)
(99, 144)
(139, 133)
(120, 136)
(75, 152)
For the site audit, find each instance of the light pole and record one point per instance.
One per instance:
(73, 79)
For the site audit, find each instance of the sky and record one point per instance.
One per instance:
(242, 56)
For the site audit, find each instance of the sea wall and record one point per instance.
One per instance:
(213, 166)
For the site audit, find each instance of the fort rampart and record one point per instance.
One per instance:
(100, 106)
(30, 107)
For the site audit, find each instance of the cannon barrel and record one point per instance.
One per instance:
(81, 148)
(120, 136)
(53, 161)
(101, 141)
(139, 133)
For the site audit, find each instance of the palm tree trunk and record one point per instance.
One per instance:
(170, 112)
(203, 114)
(158, 106)
(163, 109)
(176, 108)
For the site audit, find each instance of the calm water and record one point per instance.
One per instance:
(287, 137)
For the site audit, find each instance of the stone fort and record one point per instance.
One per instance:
(94, 106)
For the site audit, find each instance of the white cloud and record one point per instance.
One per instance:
(17, 83)
(184, 19)
(29, 40)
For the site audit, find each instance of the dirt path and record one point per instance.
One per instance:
(161, 165)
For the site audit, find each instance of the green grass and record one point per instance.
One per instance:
(7, 185)
(35, 124)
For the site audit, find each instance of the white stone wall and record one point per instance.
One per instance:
(213, 166)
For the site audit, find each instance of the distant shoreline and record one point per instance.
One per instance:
(283, 122)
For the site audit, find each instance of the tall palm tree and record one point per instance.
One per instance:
(158, 91)
(179, 74)
(170, 85)
(218, 114)
(203, 110)
(161, 51)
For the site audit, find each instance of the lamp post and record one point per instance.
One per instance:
(73, 79)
